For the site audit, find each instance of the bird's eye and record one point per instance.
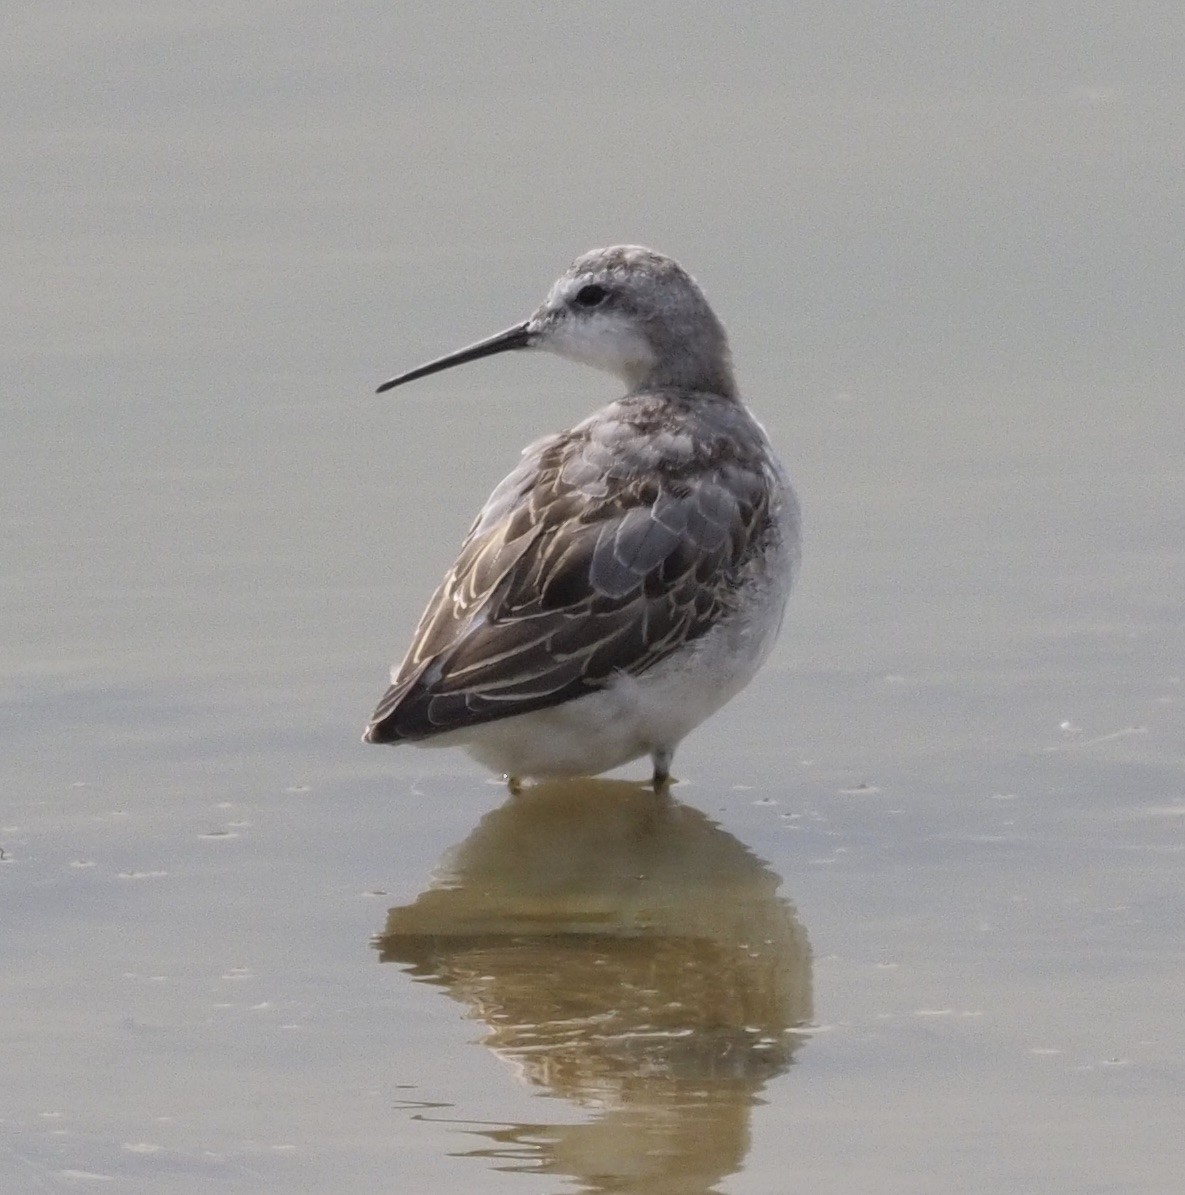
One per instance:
(591, 295)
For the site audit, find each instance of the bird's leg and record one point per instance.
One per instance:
(515, 784)
(662, 769)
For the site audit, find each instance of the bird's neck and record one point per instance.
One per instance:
(702, 376)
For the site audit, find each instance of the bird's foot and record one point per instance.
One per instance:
(661, 779)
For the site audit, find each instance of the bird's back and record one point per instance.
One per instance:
(608, 548)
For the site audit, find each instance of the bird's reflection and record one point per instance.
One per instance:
(629, 956)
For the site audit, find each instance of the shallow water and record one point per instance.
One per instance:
(912, 921)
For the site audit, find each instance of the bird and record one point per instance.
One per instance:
(629, 576)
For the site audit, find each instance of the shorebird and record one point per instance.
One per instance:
(629, 576)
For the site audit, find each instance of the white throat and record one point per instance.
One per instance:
(604, 344)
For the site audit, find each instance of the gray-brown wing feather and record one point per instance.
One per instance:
(564, 582)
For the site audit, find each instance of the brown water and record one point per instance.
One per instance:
(913, 922)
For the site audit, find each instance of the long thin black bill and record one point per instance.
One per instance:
(512, 338)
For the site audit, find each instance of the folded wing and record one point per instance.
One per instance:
(569, 577)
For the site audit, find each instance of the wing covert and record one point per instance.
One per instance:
(570, 576)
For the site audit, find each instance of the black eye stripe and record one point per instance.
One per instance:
(591, 295)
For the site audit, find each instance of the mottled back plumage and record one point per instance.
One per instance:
(609, 547)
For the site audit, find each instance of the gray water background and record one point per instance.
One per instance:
(947, 244)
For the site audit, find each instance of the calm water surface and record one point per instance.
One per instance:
(913, 920)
